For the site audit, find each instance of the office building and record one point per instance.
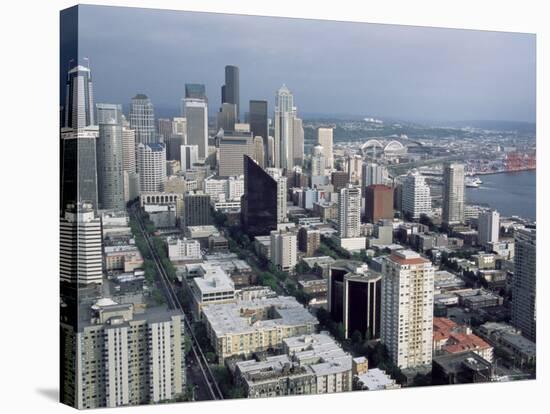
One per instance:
(297, 141)
(325, 139)
(339, 180)
(488, 227)
(142, 119)
(407, 309)
(378, 203)
(196, 114)
(259, 151)
(80, 248)
(79, 99)
(318, 162)
(110, 169)
(189, 156)
(213, 285)
(79, 166)
(230, 91)
(524, 283)
(416, 198)
(284, 249)
(259, 202)
(354, 298)
(453, 193)
(125, 357)
(227, 117)
(195, 91)
(196, 209)
(259, 124)
(285, 113)
(164, 132)
(232, 149)
(152, 167)
(373, 174)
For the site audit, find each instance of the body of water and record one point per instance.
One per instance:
(512, 194)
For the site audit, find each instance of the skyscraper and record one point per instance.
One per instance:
(227, 117)
(230, 91)
(79, 166)
(349, 212)
(195, 91)
(318, 163)
(259, 151)
(259, 202)
(79, 98)
(453, 193)
(129, 161)
(110, 169)
(285, 112)
(142, 119)
(373, 174)
(407, 309)
(297, 141)
(325, 138)
(80, 245)
(282, 188)
(378, 203)
(231, 149)
(152, 167)
(416, 198)
(189, 155)
(488, 227)
(524, 283)
(258, 119)
(196, 113)
(196, 209)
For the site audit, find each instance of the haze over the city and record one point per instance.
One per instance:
(411, 73)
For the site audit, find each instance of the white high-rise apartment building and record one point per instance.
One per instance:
(235, 188)
(416, 198)
(407, 308)
(281, 193)
(524, 285)
(453, 193)
(81, 246)
(142, 119)
(125, 357)
(325, 139)
(284, 250)
(349, 212)
(152, 167)
(196, 114)
(488, 227)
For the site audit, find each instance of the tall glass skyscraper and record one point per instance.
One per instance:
(258, 123)
(230, 91)
(79, 98)
(195, 91)
(110, 168)
(285, 113)
(142, 119)
(453, 193)
(259, 202)
(196, 113)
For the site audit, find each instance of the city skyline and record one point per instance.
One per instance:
(401, 72)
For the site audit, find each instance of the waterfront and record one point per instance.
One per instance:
(511, 193)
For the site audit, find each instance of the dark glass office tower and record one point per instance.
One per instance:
(195, 91)
(336, 291)
(362, 302)
(230, 91)
(258, 119)
(196, 209)
(79, 98)
(258, 122)
(78, 168)
(259, 202)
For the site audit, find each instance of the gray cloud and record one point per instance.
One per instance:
(331, 67)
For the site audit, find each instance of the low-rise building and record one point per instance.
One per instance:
(245, 327)
(375, 379)
(183, 249)
(212, 285)
(451, 338)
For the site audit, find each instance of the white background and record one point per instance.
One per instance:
(29, 199)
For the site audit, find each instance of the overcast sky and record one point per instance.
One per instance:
(414, 73)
